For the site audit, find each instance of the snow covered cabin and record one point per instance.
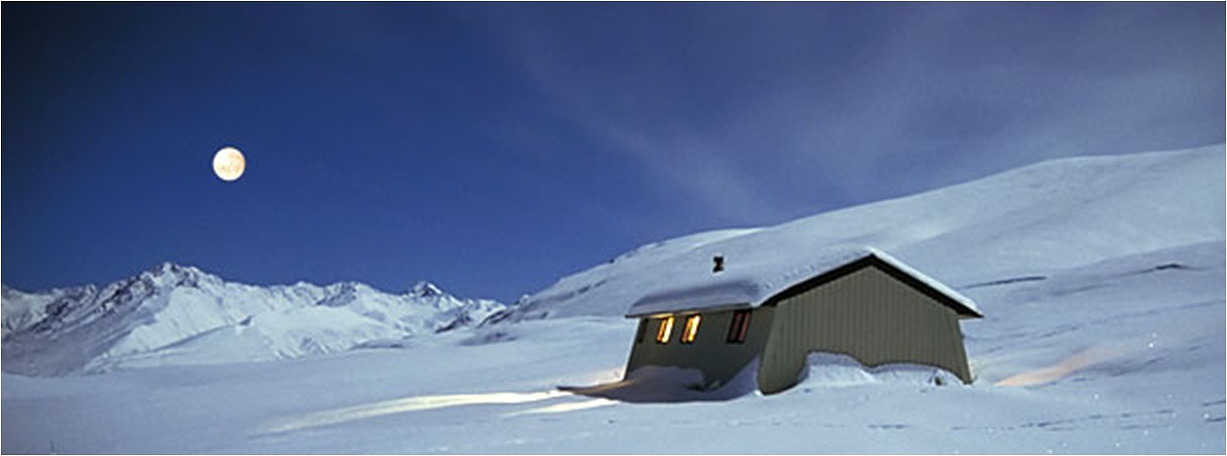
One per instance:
(856, 301)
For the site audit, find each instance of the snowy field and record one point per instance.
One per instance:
(1101, 280)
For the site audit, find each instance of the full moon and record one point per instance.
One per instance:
(229, 163)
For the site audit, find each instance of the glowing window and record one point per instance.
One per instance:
(691, 329)
(739, 327)
(665, 330)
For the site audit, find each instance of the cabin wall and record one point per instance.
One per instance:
(718, 359)
(868, 315)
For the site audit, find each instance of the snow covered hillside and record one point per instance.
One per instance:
(1101, 280)
(176, 314)
(1055, 214)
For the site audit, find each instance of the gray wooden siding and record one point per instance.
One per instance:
(717, 359)
(867, 315)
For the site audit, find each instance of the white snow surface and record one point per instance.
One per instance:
(1054, 214)
(1101, 280)
(176, 314)
(765, 274)
(828, 370)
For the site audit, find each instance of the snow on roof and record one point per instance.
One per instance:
(752, 283)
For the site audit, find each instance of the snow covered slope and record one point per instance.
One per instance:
(1056, 214)
(181, 315)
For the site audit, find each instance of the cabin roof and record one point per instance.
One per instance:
(752, 285)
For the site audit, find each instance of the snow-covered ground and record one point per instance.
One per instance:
(1101, 280)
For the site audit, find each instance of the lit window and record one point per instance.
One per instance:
(739, 327)
(665, 330)
(691, 330)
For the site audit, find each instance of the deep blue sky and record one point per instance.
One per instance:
(493, 148)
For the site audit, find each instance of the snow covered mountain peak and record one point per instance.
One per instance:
(170, 268)
(169, 274)
(424, 289)
(175, 314)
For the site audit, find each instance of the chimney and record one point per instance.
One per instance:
(718, 263)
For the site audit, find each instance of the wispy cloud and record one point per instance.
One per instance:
(759, 114)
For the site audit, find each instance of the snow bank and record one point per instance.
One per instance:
(835, 370)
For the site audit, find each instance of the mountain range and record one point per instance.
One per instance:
(173, 314)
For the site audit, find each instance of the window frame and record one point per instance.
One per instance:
(739, 326)
(642, 331)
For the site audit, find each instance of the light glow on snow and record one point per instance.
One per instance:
(609, 374)
(566, 407)
(403, 405)
(1062, 369)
